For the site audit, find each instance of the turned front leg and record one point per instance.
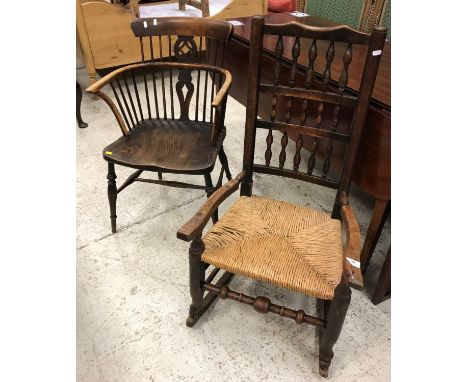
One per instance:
(112, 195)
(334, 322)
(197, 278)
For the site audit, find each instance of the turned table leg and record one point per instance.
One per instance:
(379, 215)
(382, 289)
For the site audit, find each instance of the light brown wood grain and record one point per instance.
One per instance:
(353, 243)
(106, 40)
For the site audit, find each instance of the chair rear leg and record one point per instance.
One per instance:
(224, 162)
(112, 195)
(197, 278)
(334, 322)
(209, 190)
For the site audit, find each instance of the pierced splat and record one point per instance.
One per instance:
(184, 80)
(185, 49)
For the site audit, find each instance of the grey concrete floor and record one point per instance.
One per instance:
(133, 294)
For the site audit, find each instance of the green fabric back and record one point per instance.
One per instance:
(385, 21)
(340, 11)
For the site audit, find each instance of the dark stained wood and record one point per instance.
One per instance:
(379, 215)
(309, 94)
(173, 146)
(154, 138)
(197, 277)
(335, 316)
(340, 33)
(382, 91)
(303, 130)
(372, 169)
(79, 95)
(182, 26)
(295, 175)
(382, 289)
(263, 305)
(112, 195)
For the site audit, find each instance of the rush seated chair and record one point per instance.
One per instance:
(157, 137)
(272, 241)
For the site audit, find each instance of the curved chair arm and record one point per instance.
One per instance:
(123, 127)
(195, 225)
(221, 96)
(352, 254)
(98, 85)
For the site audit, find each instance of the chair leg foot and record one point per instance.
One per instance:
(196, 313)
(112, 195)
(192, 318)
(224, 162)
(323, 371)
(334, 322)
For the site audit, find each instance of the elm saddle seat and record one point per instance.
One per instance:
(176, 146)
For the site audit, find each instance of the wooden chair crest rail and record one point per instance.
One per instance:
(158, 136)
(284, 244)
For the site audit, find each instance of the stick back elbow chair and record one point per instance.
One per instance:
(284, 244)
(156, 137)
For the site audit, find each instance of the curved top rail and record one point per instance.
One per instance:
(187, 26)
(339, 33)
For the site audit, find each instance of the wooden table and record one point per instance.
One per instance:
(372, 167)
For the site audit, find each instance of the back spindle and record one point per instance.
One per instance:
(274, 100)
(343, 81)
(213, 78)
(296, 50)
(170, 77)
(305, 104)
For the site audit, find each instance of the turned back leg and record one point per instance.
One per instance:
(224, 162)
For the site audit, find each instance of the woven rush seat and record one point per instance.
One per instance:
(284, 244)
